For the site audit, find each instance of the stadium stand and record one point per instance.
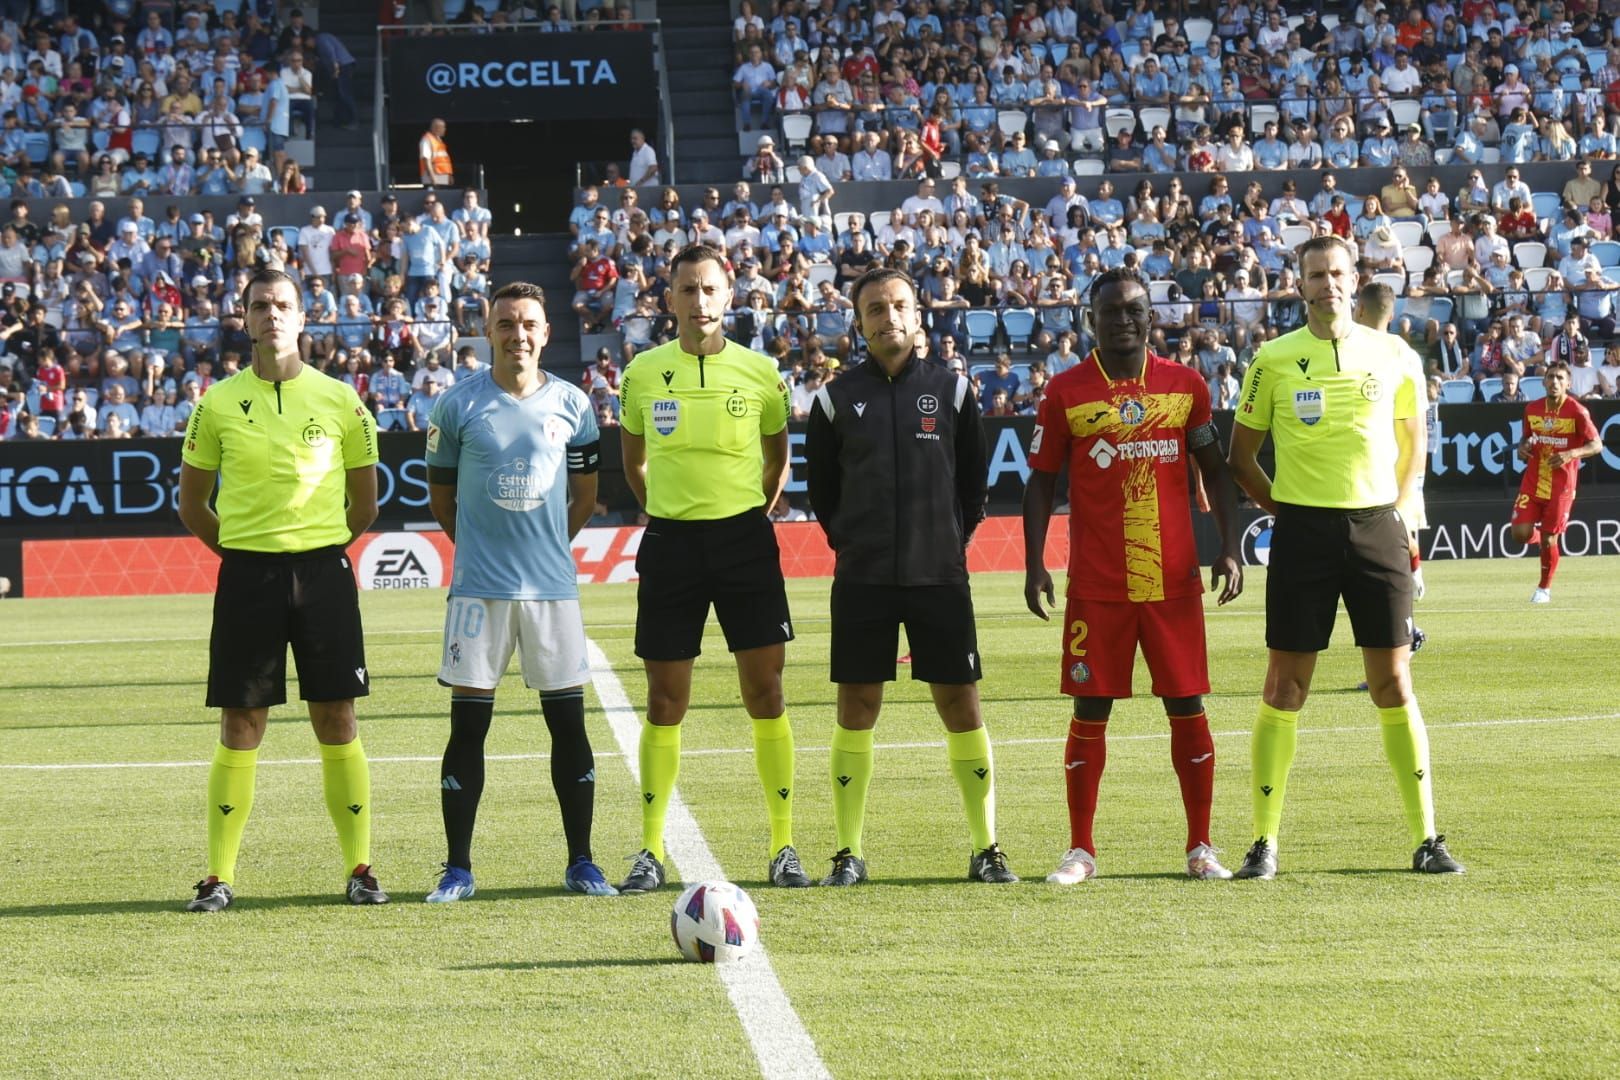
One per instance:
(1006, 153)
(150, 161)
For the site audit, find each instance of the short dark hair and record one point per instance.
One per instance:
(1330, 242)
(692, 254)
(519, 290)
(877, 276)
(267, 276)
(1558, 365)
(1377, 298)
(1119, 275)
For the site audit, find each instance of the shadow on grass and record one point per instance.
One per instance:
(568, 965)
(174, 904)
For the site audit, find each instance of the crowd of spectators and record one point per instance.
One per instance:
(1493, 278)
(113, 326)
(178, 100)
(1037, 88)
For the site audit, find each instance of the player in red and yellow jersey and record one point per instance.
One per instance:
(1558, 433)
(1125, 422)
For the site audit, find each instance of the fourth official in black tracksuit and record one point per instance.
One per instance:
(897, 480)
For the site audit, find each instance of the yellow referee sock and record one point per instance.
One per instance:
(346, 780)
(1406, 744)
(851, 765)
(969, 752)
(230, 800)
(1271, 754)
(773, 758)
(659, 754)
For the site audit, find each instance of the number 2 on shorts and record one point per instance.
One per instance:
(1077, 637)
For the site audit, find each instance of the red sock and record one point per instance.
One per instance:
(1549, 562)
(1192, 750)
(1084, 755)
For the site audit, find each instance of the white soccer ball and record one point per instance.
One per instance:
(714, 922)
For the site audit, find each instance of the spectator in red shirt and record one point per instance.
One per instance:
(594, 276)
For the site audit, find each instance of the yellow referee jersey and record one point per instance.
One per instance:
(702, 418)
(282, 450)
(1331, 408)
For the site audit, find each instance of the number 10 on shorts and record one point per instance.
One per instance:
(466, 619)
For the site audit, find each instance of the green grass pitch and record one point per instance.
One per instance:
(1346, 965)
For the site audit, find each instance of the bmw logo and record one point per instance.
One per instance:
(1079, 672)
(1257, 541)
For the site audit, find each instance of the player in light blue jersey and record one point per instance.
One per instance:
(512, 458)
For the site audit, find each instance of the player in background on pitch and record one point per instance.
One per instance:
(1558, 435)
(703, 427)
(896, 457)
(1125, 421)
(1375, 309)
(512, 457)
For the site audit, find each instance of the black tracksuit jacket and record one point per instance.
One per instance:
(897, 473)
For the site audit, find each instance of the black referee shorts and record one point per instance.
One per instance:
(266, 602)
(1319, 555)
(939, 625)
(685, 566)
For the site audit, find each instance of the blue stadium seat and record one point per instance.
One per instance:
(981, 328)
(253, 138)
(453, 9)
(100, 137)
(1534, 389)
(1547, 204)
(1020, 326)
(145, 141)
(1489, 388)
(37, 145)
(1607, 253)
(77, 187)
(1440, 309)
(47, 425)
(1022, 371)
(1457, 391)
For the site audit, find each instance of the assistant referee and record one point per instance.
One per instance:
(703, 426)
(295, 454)
(1333, 395)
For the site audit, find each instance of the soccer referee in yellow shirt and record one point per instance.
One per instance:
(703, 426)
(295, 453)
(1333, 394)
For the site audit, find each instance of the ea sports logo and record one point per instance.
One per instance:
(1257, 541)
(400, 560)
(1103, 453)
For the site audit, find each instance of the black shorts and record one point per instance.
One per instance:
(264, 603)
(685, 566)
(939, 627)
(1319, 555)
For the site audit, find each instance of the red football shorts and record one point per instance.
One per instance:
(1552, 515)
(1100, 639)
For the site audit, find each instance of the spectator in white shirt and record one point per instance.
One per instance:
(315, 245)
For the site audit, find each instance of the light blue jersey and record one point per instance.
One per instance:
(512, 459)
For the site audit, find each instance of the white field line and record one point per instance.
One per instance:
(774, 1030)
(630, 753)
